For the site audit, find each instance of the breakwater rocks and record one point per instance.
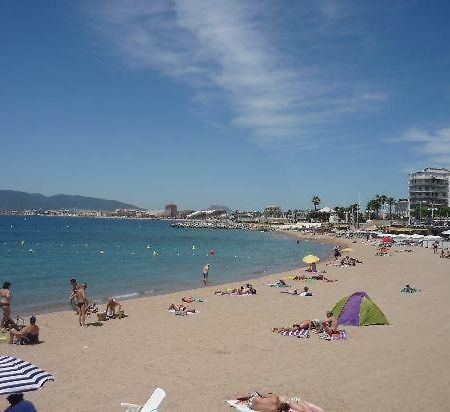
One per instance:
(208, 224)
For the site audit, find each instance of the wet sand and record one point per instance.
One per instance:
(203, 359)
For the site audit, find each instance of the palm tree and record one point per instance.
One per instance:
(316, 201)
(390, 201)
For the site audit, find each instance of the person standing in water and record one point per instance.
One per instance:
(205, 274)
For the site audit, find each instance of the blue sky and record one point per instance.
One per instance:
(240, 103)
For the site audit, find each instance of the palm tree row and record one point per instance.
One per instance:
(378, 201)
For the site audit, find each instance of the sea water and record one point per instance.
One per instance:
(127, 258)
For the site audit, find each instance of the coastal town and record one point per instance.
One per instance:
(426, 209)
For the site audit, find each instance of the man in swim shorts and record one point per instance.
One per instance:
(80, 298)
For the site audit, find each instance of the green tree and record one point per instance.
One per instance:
(315, 201)
(390, 201)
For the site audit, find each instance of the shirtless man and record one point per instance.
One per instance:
(111, 307)
(72, 301)
(5, 303)
(80, 298)
(330, 325)
(180, 308)
(30, 333)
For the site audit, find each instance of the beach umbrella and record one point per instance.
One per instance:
(311, 259)
(17, 375)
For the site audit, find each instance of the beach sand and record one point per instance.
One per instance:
(203, 359)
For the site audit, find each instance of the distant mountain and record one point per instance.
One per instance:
(15, 200)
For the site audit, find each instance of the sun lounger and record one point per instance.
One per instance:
(151, 405)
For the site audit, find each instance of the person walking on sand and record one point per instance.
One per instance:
(80, 297)
(205, 273)
(72, 301)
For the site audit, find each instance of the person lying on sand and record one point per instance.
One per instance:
(304, 324)
(272, 403)
(27, 336)
(409, 289)
(330, 325)
(248, 289)
(305, 292)
(318, 276)
(181, 308)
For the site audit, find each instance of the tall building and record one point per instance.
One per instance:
(170, 211)
(429, 187)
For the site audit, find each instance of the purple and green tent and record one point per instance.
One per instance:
(358, 310)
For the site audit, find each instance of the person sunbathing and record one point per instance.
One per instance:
(271, 402)
(228, 291)
(304, 324)
(181, 308)
(330, 325)
(305, 292)
(187, 299)
(29, 335)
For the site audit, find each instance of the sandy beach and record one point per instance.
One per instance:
(203, 359)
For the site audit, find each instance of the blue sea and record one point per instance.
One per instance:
(128, 258)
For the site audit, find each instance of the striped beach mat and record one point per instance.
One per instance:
(341, 334)
(17, 375)
(302, 333)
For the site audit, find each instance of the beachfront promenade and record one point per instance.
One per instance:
(229, 347)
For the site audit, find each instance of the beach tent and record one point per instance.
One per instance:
(358, 310)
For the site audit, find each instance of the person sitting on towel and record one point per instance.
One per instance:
(330, 325)
(27, 336)
(111, 306)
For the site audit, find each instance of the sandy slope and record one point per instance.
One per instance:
(203, 359)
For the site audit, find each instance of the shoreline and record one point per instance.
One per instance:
(62, 307)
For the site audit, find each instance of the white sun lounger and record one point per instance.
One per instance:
(151, 405)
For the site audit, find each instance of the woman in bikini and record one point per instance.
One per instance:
(5, 303)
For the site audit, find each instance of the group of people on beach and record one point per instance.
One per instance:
(19, 334)
(79, 302)
(246, 289)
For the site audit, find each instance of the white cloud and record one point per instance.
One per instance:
(431, 145)
(229, 47)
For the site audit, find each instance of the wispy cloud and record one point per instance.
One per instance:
(230, 47)
(433, 146)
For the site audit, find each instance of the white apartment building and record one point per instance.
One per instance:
(429, 187)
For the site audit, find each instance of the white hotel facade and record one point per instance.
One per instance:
(429, 187)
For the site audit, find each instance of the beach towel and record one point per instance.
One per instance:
(277, 285)
(300, 333)
(239, 405)
(182, 312)
(410, 290)
(341, 334)
(242, 405)
(242, 294)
